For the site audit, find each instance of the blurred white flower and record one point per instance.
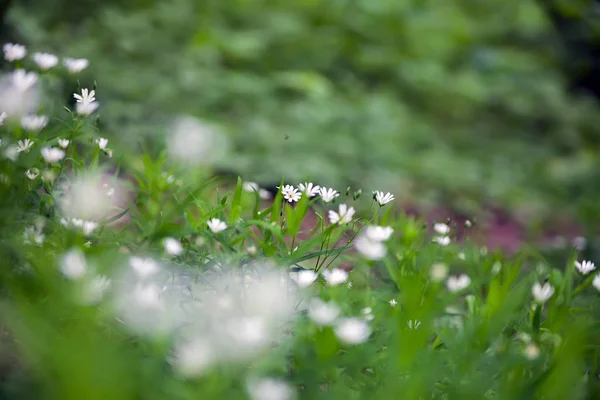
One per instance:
(343, 216)
(144, 267)
(393, 302)
(19, 94)
(34, 123)
(462, 256)
(94, 289)
(309, 189)
(368, 313)
(540, 293)
(86, 108)
(24, 145)
(353, 331)
(147, 296)
(442, 240)
(323, 313)
(216, 225)
(370, 249)
(74, 265)
(596, 282)
(383, 198)
(3, 116)
(335, 277)
(11, 152)
(86, 198)
(89, 227)
(32, 173)
(579, 242)
(378, 233)
(458, 283)
(64, 143)
(290, 193)
(23, 80)
(52, 155)
(14, 52)
(438, 272)
(585, 267)
(75, 65)
(304, 277)
(328, 195)
(33, 235)
(45, 60)
(86, 96)
(264, 194)
(193, 357)
(269, 389)
(442, 229)
(531, 351)
(102, 143)
(194, 142)
(250, 186)
(173, 246)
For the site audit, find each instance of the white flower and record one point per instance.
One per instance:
(323, 313)
(290, 193)
(458, 283)
(442, 240)
(269, 389)
(370, 249)
(89, 227)
(353, 331)
(438, 272)
(250, 186)
(52, 154)
(442, 229)
(541, 294)
(64, 143)
(34, 123)
(94, 289)
(11, 152)
(23, 80)
(86, 96)
(32, 235)
(216, 225)
(393, 302)
(102, 142)
(193, 357)
(147, 296)
(86, 108)
(309, 189)
(343, 216)
(144, 267)
(368, 313)
(195, 142)
(32, 173)
(335, 276)
(383, 198)
(251, 250)
(74, 265)
(75, 65)
(24, 145)
(531, 351)
(378, 233)
(264, 194)
(45, 60)
(3, 116)
(173, 246)
(328, 195)
(304, 277)
(13, 51)
(596, 282)
(585, 267)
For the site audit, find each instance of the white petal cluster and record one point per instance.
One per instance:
(542, 293)
(343, 216)
(383, 198)
(458, 283)
(45, 60)
(585, 267)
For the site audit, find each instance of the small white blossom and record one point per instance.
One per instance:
(290, 193)
(14, 52)
(269, 389)
(343, 216)
(75, 65)
(64, 143)
(531, 351)
(102, 143)
(378, 233)
(335, 276)
(45, 60)
(323, 313)
(250, 186)
(383, 198)
(596, 282)
(328, 195)
(94, 289)
(23, 80)
(585, 267)
(541, 294)
(32, 173)
(216, 225)
(353, 331)
(86, 96)
(264, 194)
(74, 265)
(368, 313)
(193, 357)
(173, 246)
(309, 189)
(89, 227)
(11, 152)
(442, 229)
(442, 240)
(144, 267)
(305, 277)
(32, 235)
(370, 249)
(458, 283)
(393, 302)
(24, 145)
(34, 123)
(3, 116)
(251, 250)
(86, 108)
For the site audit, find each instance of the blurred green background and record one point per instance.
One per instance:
(463, 103)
